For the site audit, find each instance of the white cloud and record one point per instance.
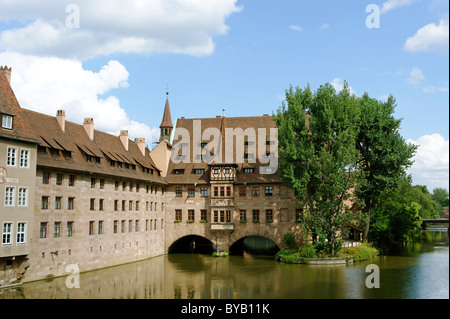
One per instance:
(430, 38)
(47, 84)
(108, 27)
(393, 4)
(324, 26)
(296, 28)
(338, 85)
(416, 76)
(431, 162)
(417, 79)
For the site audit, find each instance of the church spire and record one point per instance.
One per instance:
(166, 123)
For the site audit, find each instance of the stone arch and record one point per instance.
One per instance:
(240, 235)
(191, 243)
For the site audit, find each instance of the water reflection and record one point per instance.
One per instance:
(419, 270)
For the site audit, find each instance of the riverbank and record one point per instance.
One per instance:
(306, 254)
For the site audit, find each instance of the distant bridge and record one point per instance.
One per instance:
(425, 222)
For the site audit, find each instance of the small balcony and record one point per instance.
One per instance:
(222, 226)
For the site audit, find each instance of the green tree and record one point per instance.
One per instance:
(440, 196)
(428, 207)
(317, 156)
(385, 155)
(396, 218)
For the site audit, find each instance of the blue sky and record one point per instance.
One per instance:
(238, 55)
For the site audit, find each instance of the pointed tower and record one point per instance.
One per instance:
(166, 124)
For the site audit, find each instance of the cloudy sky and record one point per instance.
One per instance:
(113, 61)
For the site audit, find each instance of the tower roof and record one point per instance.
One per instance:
(167, 119)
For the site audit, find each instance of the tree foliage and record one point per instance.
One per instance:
(318, 158)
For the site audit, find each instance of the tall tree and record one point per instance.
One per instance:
(385, 155)
(317, 156)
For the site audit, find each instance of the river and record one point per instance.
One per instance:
(419, 270)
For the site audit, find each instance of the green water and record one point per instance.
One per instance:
(418, 270)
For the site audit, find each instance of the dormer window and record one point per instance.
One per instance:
(7, 121)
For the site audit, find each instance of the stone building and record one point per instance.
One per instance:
(18, 145)
(73, 197)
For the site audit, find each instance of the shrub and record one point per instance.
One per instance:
(307, 251)
(289, 240)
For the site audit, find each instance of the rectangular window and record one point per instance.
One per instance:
(57, 230)
(116, 185)
(115, 226)
(69, 229)
(100, 227)
(59, 178)
(269, 190)
(216, 191)
(43, 230)
(249, 170)
(242, 215)
(71, 203)
(102, 184)
(7, 232)
(137, 205)
(222, 191)
(178, 192)
(130, 205)
(44, 202)
(24, 158)
(228, 191)
(191, 192)
(91, 227)
(136, 225)
(11, 159)
(130, 224)
(71, 180)
(204, 192)
(199, 171)
(228, 216)
(256, 215)
(92, 182)
(116, 205)
(92, 204)
(122, 226)
(9, 196)
(123, 205)
(45, 177)
(204, 215)
(269, 215)
(242, 191)
(222, 216)
(191, 214)
(7, 121)
(178, 215)
(216, 216)
(23, 197)
(101, 204)
(255, 191)
(58, 203)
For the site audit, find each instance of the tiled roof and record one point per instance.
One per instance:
(167, 119)
(9, 105)
(222, 123)
(75, 140)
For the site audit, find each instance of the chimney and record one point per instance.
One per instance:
(61, 118)
(7, 72)
(124, 139)
(89, 127)
(141, 144)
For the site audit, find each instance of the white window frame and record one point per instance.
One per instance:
(8, 234)
(22, 233)
(7, 121)
(24, 159)
(10, 198)
(22, 199)
(11, 158)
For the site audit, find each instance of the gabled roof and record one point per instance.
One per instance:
(9, 105)
(222, 123)
(104, 146)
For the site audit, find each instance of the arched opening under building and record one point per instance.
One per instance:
(192, 244)
(254, 245)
